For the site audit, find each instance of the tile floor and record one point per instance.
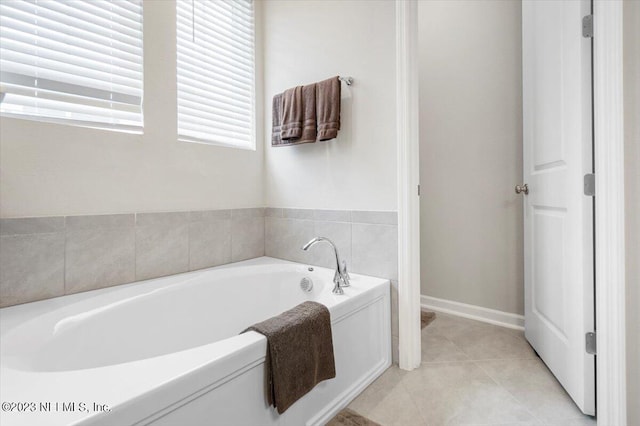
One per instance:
(472, 373)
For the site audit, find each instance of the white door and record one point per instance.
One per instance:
(558, 217)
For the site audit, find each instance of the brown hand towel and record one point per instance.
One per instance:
(309, 127)
(309, 123)
(292, 113)
(328, 109)
(276, 120)
(299, 352)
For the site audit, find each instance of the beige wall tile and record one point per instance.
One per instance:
(247, 238)
(284, 238)
(162, 244)
(250, 212)
(31, 267)
(375, 250)
(99, 257)
(380, 218)
(32, 225)
(209, 243)
(107, 221)
(298, 213)
(273, 212)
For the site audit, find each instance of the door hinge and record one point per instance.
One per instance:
(590, 184)
(418, 190)
(587, 26)
(590, 342)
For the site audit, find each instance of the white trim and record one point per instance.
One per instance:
(474, 312)
(407, 119)
(609, 218)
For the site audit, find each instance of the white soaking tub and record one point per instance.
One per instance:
(167, 351)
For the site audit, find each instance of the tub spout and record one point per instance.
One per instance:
(341, 277)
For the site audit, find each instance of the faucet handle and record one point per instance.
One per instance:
(345, 274)
(343, 269)
(338, 282)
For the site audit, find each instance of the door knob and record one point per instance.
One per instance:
(522, 188)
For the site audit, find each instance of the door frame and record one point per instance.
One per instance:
(609, 215)
(408, 163)
(609, 201)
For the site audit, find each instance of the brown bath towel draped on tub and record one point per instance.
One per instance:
(299, 352)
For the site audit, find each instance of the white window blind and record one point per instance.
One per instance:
(216, 72)
(72, 61)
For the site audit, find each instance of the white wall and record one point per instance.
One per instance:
(308, 41)
(632, 201)
(471, 152)
(51, 169)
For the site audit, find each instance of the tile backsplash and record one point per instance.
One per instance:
(48, 257)
(368, 241)
(31, 259)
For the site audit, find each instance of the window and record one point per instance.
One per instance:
(216, 76)
(77, 62)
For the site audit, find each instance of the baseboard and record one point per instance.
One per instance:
(478, 313)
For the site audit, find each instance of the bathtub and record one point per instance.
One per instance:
(167, 351)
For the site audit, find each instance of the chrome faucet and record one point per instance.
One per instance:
(341, 277)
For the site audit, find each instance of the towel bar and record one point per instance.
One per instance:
(348, 80)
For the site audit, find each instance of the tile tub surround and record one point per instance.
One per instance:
(367, 240)
(47, 257)
(31, 259)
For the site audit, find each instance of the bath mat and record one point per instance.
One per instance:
(349, 417)
(426, 318)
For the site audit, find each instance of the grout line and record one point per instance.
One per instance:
(264, 234)
(135, 247)
(263, 251)
(510, 393)
(413, 401)
(230, 238)
(350, 247)
(64, 259)
(537, 417)
(189, 243)
(458, 347)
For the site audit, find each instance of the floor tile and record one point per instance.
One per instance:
(387, 402)
(472, 374)
(437, 348)
(461, 393)
(532, 383)
(481, 341)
